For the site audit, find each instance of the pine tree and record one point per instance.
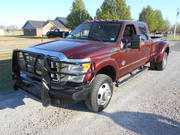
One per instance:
(114, 10)
(147, 15)
(153, 18)
(160, 24)
(78, 14)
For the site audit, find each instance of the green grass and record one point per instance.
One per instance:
(21, 36)
(6, 48)
(5, 77)
(171, 38)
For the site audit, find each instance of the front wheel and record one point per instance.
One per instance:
(101, 93)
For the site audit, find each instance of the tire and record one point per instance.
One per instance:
(15, 87)
(101, 94)
(152, 65)
(50, 36)
(163, 63)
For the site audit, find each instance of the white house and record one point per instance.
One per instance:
(1, 32)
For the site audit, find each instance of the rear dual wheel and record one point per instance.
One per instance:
(161, 65)
(101, 93)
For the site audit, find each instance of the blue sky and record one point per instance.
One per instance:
(18, 11)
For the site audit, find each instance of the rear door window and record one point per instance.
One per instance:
(143, 31)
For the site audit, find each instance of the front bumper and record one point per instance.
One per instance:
(43, 87)
(65, 96)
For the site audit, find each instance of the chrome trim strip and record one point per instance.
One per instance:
(79, 60)
(133, 63)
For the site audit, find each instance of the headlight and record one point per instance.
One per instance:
(71, 68)
(78, 69)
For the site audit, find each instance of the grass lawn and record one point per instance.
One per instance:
(6, 48)
(171, 38)
(20, 36)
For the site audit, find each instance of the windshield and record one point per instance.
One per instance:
(98, 31)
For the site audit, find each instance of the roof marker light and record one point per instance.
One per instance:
(101, 20)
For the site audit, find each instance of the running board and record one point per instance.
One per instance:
(132, 76)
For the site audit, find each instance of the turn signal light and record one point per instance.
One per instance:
(140, 44)
(86, 66)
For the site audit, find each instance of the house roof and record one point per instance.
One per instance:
(63, 20)
(59, 22)
(56, 23)
(35, 24)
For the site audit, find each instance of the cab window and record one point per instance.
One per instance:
(128, 35)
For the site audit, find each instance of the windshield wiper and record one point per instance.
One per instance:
(96, 39)
(99, 40)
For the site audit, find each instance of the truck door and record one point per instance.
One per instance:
(145, 49)
(130, 59)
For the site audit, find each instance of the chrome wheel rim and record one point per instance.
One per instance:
(104, 94)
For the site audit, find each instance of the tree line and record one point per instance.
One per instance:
(117, 10)
(9, 27)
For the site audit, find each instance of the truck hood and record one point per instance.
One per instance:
(74, 48)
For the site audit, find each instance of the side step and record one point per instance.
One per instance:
(132, 76)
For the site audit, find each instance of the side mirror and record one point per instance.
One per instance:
(136, 42)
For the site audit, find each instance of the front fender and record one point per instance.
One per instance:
(107, 62)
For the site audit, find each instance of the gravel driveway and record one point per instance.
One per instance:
(147, 105)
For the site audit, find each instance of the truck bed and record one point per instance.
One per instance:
(157, 38)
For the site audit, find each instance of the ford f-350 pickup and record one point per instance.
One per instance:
(84, 66)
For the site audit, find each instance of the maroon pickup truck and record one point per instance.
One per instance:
(84, 66)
